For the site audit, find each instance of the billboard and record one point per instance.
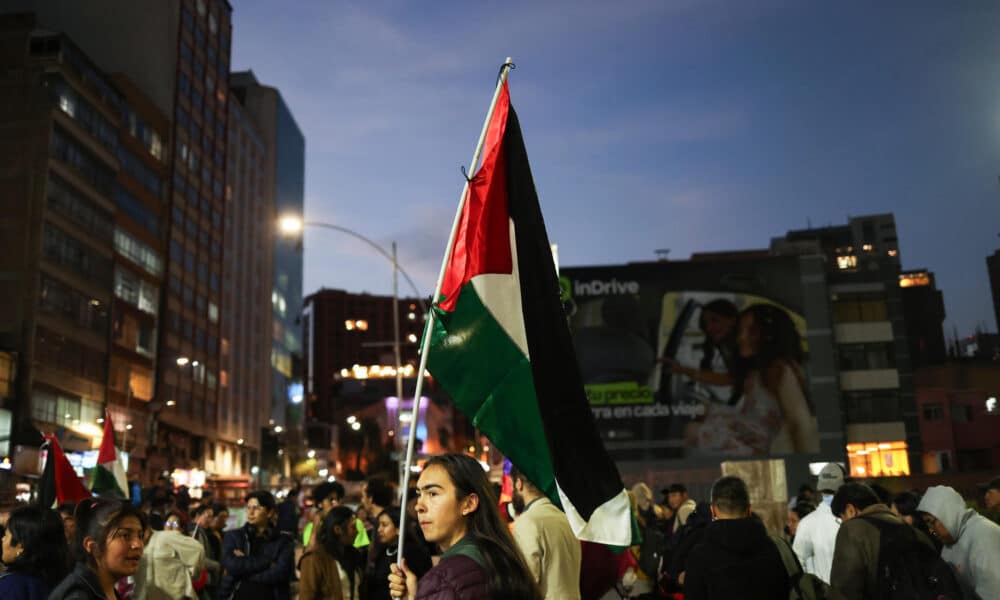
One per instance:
(694, 359)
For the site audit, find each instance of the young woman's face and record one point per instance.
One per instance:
(10, 551)
(439, 511)
(718, 327)
(793, 522)
(749, 336)
(123, 549)
(387, 532)
(257, 514)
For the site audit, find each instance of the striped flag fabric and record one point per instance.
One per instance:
(59, 482)
(109, 475)
(501, 345)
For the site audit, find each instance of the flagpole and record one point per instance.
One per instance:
(429, 326)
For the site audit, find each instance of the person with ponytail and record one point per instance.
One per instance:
(110, 537)
(457, 510)
(35, 553)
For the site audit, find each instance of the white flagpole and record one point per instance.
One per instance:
(430, 313)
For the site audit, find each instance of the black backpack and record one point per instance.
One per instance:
(910, 569)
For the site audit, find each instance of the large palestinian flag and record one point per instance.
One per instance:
(501, 346)
(109, 475)
(59, 482)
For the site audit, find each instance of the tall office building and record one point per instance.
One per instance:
(82, 263)
(176, 52)
(282, 179)
(875, 375)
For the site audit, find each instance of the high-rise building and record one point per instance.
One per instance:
(176, 52)
(350, 338)
(283, 180)
(923, 313)
(83, 259)
(246, 299)
(993, 268)
(875, 375)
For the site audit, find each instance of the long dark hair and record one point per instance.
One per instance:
(727, 347)
(97, 518)
(508, 574)
(779, 345)
(44, 550)
(339, 516)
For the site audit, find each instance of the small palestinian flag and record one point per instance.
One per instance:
(59, 482)
(109, 475)
(501, 346)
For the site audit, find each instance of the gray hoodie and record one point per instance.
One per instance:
(976, 551)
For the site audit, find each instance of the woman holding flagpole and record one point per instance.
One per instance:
(457, 510)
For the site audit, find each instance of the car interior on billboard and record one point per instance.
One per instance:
(683, 373)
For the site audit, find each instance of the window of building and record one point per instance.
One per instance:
(83, 113)
(89, 168)
(860, 309)
(136, 291)
(847, 262)
(213, 312)
(79, 308)
(137, 210)
(83, 212)
(65, 250)
(138, 252)
(878, 459)
(861, 357)
(135, 334)
(961, 413)
(66, 355)
(933, 412)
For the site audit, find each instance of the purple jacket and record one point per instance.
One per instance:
(457, 577)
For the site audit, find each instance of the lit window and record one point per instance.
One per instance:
(917, 279)
(213, 312)
(349, 325)
(411, 316)
(847, 262)
(878, 459)
(867, 247)
(893, 253)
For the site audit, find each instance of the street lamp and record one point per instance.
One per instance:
(294, 225)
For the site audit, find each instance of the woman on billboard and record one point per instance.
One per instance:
(718, 323)
(774, 416)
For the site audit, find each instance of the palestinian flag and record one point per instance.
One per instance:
(501, 346)
(109, 474)
(59, 482)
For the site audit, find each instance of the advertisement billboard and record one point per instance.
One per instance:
(694, 359)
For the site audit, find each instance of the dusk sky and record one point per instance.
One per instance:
(693, 125)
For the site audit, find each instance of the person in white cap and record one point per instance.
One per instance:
(816, 536)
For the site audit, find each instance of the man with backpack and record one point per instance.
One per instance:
(877, 555)
(971, 541)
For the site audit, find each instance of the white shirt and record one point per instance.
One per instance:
(816, 538)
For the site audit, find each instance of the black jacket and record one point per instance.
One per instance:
(268, 565)
(80, 584)
(736, 559)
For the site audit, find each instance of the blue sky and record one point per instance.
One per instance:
(693, 125)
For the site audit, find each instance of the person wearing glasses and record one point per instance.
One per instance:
(259, 561)
(109, 542)
(971, 541)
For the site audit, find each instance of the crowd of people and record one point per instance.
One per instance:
(844, 540)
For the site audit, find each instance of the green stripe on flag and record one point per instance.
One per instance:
(490, 380)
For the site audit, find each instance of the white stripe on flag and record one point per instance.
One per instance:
(610, 524)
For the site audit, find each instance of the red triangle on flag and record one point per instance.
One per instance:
(69, 488)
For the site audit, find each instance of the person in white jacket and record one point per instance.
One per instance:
(971, 541)
(816, 537)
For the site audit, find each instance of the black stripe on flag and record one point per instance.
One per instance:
(582, 466)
